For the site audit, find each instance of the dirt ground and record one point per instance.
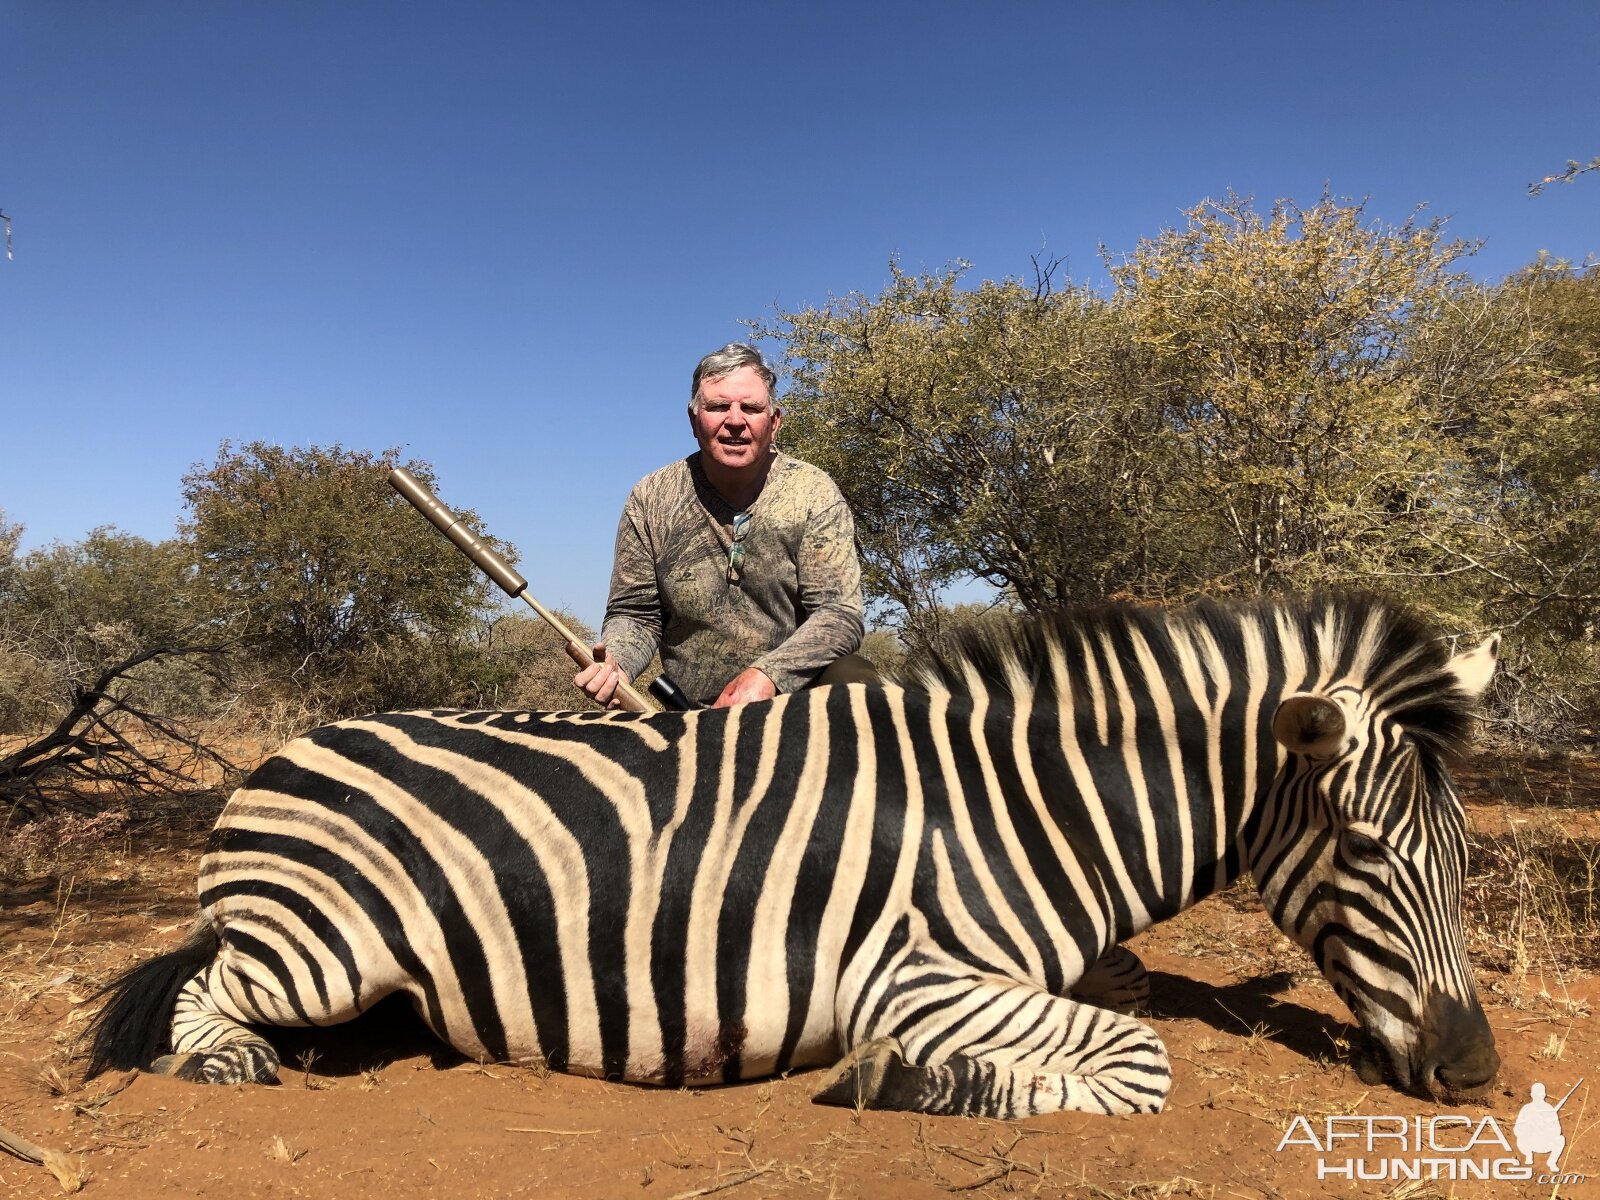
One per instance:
(377, 1109)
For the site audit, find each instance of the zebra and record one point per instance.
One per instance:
(923, 886)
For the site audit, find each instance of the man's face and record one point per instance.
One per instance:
(736, 421)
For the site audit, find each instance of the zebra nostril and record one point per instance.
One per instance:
(1459, 1054)
(1466, 1072)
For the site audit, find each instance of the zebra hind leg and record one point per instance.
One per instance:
(980, 1046)
(1117, 980)
(211, 1046)
(166, 1003)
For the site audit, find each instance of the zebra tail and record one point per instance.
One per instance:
(132, 1029)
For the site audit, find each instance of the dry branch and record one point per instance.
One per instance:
(92, 750)
(730, 1181)
(67, 1172)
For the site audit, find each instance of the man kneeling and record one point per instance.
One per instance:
(738, 562)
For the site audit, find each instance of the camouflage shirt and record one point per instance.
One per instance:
(795, 608)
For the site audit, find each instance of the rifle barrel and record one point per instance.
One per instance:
(513, 584)
(1570, 1090)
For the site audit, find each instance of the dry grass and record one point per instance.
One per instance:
(1533, 900)
(1533, 892)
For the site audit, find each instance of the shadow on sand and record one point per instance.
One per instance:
(392, 1031)
(389, 1032)
(1245, 1007)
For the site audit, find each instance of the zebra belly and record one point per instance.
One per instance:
(319, 920)
(577, 892)
(280, 965)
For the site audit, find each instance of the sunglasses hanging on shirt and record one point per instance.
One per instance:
(741, 526)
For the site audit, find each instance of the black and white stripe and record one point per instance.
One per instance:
(924, 886)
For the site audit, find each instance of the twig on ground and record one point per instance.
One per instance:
(67, 1172)
(723, 1184)
(555, 1132)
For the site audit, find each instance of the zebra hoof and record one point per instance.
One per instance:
(230, 1064)
(858, 1078)
(179, 1066)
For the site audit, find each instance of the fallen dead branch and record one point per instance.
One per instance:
(106, 742)
(67, 1172)
(723, 1185)
(555, 1132)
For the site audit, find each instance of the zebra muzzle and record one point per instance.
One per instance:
(1456, 1052)
(1369, 1060)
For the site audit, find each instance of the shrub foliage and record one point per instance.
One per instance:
(334, 585)
(1261, 400)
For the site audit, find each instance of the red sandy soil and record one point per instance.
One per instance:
(376, 1108)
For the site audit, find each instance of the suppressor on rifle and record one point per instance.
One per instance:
(426, 503)
(513, 584)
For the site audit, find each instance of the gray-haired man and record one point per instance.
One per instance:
(738, 562)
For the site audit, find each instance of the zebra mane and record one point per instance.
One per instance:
(1354, 636)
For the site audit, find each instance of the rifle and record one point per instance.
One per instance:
(514, 585)
(1568, 1096)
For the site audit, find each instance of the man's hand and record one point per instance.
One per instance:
(602, 678)
(748, 685)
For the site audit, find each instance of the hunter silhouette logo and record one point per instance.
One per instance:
(1538, 1127)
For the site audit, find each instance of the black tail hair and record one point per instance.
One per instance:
(133, 1028)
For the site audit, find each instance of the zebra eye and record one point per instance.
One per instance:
(1360, 848)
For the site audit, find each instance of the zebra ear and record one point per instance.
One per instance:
(1474, 668)
(1310, 725)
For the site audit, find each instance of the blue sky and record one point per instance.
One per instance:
(500, 235)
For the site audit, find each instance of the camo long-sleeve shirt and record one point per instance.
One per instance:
(795, 607)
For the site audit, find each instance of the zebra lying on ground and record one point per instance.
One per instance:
(924, 886)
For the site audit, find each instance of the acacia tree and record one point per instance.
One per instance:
(342, 591)
(1573, 169)
(998, 431)
(97, 667)
(1527, 556)
(19, 674)
(70, 610)
(1308, 387)
(10, 537)
(104, 597)
(1265, 400)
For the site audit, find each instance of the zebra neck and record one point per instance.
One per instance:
(1126, 821)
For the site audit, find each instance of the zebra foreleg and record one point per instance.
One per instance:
(1117, 980)
(1001, 1049)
